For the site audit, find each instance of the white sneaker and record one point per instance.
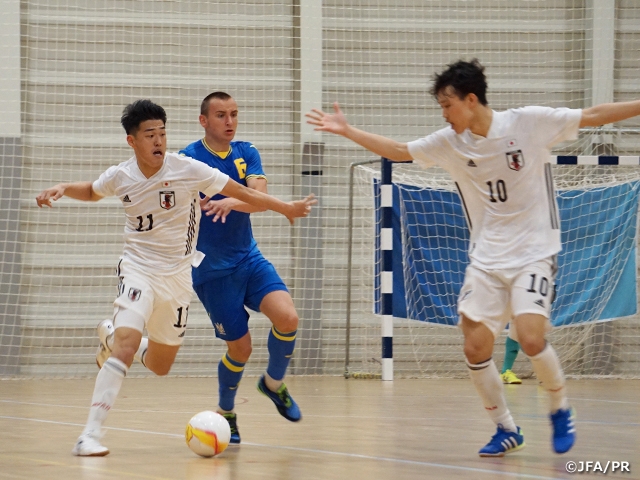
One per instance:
(89, 446)
(105, 330)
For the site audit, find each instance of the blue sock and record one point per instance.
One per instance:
(229, 376)
(280, 346)
(511, 348)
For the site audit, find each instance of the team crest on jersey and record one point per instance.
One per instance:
(515, 160)
(167, 199)
(134, 294)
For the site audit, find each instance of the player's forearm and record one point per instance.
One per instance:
(255, 198)
(383, 146)
(244, 207)
(609, 113)
(80, 191)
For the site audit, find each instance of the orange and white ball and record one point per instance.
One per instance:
(208, 433)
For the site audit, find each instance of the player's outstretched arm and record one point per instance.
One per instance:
(337, 123)
(609, 113)
(77, 190)
(291, 210)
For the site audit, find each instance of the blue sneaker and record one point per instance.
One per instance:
(232, 418)
(503, 442)
(287, 407)
(564, 431)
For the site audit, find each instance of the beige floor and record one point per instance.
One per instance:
(352, 429)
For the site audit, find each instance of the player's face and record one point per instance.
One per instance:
(149, 144)
(457, 112)
(221, 121)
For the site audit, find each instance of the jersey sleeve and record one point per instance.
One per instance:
(254, 162)
(105, 185)
(211, 180)
(555, 125)
(428, 151)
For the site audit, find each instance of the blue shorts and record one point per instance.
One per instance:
(224, 298)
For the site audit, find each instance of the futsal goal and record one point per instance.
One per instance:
(596, 330)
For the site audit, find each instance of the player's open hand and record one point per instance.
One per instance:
(301, 208)
(50, 195)
(325, 122)
(218, 208)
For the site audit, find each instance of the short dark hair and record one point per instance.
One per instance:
(140, 111)
(464, 78)
(204, 106)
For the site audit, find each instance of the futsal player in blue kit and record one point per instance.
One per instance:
(234, 274)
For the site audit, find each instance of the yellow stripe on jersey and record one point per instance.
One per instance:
(222, 155)
(231, 366)
(285, 337)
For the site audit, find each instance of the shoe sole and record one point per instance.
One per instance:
(502, 454)
(99, 454)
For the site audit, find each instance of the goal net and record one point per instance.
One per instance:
(596, 329)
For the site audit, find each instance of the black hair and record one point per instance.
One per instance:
(140, 111)
(204, 106)
(464, 78)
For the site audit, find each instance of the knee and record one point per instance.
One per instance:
(475, 352)
(288, 322)
(532, 345)
(241, 352)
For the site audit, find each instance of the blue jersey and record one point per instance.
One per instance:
(226, 244)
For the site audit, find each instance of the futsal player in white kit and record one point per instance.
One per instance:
(160, 195)
(500, 162)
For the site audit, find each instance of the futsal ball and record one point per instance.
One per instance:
(208, 433)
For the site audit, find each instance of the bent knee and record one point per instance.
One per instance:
(240, 352)
(532, 346)
(476, 353)
(287, 323)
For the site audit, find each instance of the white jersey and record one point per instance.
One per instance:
(163, 211)
(505, 182)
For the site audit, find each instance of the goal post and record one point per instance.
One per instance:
(595, 311)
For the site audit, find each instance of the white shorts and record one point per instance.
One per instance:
(162, 301)
(496, 297)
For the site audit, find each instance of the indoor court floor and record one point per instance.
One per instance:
(351, 429)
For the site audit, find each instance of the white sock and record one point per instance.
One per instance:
(546, 366)
(272, 384)
(488, 383)
(108, 383)
(142, 350)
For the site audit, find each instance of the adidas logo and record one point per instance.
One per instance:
(471, 163)
(539, 302)
(126, 199)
